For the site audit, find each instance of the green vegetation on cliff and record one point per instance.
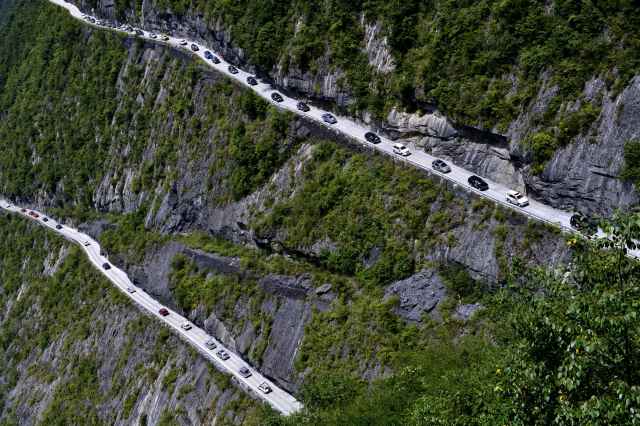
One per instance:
(460, 55)
(73, 350)
(73, 106)
(88, 113)
(566, 354)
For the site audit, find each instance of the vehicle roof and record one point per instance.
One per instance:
(512, 192)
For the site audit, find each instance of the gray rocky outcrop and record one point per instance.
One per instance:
(377, 47)
(418, 295)
(584, 175)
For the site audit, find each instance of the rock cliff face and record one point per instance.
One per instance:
(585, 174)
(193, 192)
(286, 301)
(582, 176)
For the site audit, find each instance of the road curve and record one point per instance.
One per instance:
(351, 129)
(196, 337)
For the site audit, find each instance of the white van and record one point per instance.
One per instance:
(400, 149)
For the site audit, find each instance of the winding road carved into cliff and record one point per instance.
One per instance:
(279, 399)
(352, 130)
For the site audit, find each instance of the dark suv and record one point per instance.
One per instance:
(372, 138)
(208, 55)
(106, 266)
(233, 70)
(303, 107)
(277, 97)
(194, 47)
(478, 183)
(251, 81)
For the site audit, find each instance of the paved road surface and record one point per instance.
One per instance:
(278, 398)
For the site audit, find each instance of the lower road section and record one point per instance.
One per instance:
(248, 378)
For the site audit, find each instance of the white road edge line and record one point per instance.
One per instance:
(279, 399)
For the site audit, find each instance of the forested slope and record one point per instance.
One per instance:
(376, 294)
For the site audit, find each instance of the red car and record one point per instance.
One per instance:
(164, 312)
(34, 215)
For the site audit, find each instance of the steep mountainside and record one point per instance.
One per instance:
(371, 291)
(542, 96)
(94, 121)
(74, 351)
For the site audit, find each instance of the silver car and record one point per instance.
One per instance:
(328, 118)
(440, 166)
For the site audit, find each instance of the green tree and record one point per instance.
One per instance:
(577, 344)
